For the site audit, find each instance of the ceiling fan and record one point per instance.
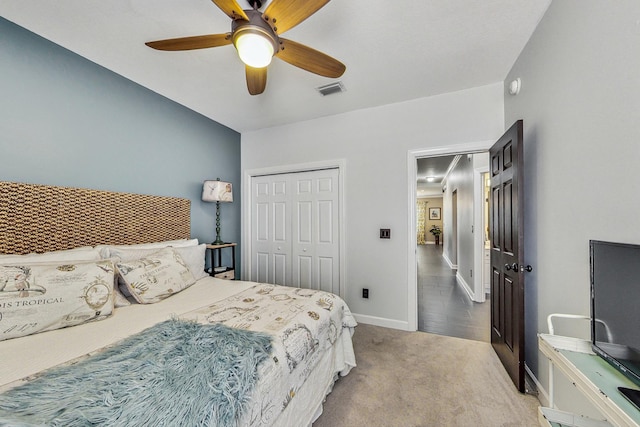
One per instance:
(256, 37)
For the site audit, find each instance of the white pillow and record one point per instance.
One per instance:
(155, 277)
(193, 256)
(85, 253)
(105, 250)
(42, 297)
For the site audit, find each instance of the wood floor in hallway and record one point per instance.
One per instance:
(444, 308)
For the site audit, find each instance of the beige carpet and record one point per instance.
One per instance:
(421, 379)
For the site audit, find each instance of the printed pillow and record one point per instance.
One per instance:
(193, 256)
(42, 297)
(156, 276)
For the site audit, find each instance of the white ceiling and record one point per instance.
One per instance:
(394, 50)
(435, 168)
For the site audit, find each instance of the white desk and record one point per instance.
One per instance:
(592, 376)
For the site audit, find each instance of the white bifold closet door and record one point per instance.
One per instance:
(295, 230)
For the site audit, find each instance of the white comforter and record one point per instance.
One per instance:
(305, 325)
(292, 385)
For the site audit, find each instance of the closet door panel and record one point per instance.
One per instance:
(281, 230)
(304, 278)
(261, 231)
(280, 274)
(325, 222)
(280, 226)
(262, 267)
(327, 248)
(326, 270)
(270, 233)
(304, 230)
(262, 222)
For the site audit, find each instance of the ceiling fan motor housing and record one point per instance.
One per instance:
(256, 25)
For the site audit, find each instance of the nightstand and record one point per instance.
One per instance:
(217, 269)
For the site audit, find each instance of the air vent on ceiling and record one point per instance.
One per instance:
(331, 88)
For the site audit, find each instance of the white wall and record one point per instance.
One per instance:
(461, 180)
(580, 101)
(374, 145)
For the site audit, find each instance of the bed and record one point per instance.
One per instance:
(294, 342)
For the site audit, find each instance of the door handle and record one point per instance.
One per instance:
(513, 267)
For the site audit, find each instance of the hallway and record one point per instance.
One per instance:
(443, 306)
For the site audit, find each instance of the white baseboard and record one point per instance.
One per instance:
(465, 286)
(543, 396)
(381, 321)
(448, 261)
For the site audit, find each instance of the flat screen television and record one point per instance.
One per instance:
(615, 305)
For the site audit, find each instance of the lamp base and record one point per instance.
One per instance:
(218, 240)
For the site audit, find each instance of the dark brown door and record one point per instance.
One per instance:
(507, 252)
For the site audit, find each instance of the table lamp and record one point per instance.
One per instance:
(217, 191)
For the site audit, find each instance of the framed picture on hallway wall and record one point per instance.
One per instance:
(434, 213)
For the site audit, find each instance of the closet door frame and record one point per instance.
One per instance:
(246, 198)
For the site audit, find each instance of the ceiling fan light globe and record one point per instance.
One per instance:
(254, 49)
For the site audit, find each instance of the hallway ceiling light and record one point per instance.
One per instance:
(431, 178)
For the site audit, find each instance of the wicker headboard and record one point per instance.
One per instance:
(42, 218)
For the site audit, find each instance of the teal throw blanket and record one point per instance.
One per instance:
(175, 373)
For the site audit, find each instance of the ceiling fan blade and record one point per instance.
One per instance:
(232, 9)
(256, 79)
(309, 59)
(283, 15)
(189, 43)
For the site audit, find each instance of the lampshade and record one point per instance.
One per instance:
(254, 49)
(217, 191)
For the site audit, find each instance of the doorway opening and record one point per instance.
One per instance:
(450, 289)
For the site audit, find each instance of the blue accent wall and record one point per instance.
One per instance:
(65, 120)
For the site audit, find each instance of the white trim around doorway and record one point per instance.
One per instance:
(412, 157)
(479, 290)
